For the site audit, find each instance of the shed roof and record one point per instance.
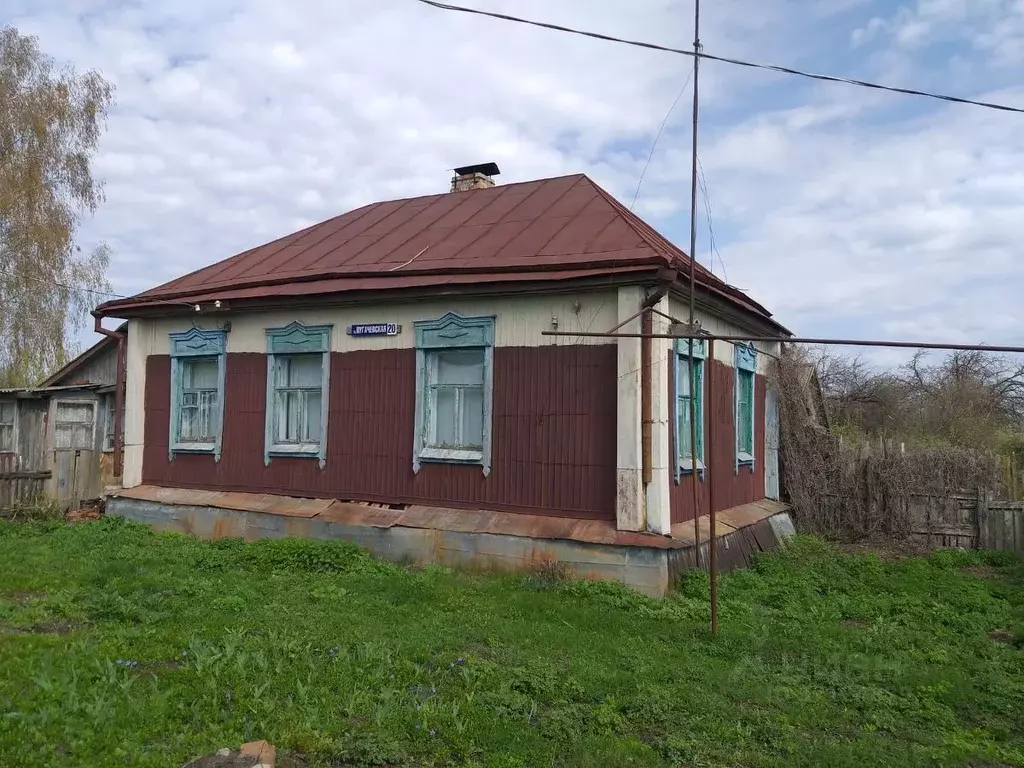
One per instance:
(552, 229)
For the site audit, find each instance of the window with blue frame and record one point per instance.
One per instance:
(454, 360)
(198, 360)
(298, 369)
(689, 385)
(744, 409)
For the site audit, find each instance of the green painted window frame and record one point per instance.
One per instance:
(745, 412)
(293, 340)
(684, 465)
(451, 332)
(187, 347)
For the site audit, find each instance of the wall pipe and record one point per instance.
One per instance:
(119, 387)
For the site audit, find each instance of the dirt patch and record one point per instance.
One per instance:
(1001, 636)
(232, 760)
(24, 596)
(294, 760)
(45, 628)
(855, 623)
(886, 549)
(89, 510)
(52, 628)
(982, 572)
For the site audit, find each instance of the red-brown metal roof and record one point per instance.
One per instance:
(531, 231)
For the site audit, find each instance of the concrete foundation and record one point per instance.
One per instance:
(466, 539)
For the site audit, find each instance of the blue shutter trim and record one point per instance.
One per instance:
(682, 349)
(420, 426)
(452, 331)
(745, 361)
(746, 358)
(196, 342)
(298, 338)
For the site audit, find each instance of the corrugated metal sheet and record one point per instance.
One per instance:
(429, 518)
(538, 227)
(732, 488)
(553, 439)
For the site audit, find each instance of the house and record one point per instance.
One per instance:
(387, 370)
(58, 439)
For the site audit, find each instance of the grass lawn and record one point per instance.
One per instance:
(121, 647)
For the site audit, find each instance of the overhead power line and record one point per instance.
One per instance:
(724, 59)
(657, 138)
(66, 287)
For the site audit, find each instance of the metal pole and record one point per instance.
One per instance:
(693, 283)
(798, 340)
(712, 514)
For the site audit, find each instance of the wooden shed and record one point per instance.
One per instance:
(57, 439)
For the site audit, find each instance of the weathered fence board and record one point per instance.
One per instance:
(971, 522)
(19, 486)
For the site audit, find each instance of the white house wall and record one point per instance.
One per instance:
(724, 350)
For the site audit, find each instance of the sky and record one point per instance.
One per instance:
(845, 211)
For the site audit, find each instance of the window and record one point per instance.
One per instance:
(746, 368)
(8, 419)
(454, 357)
(108, 423)
(689, 382)
(198, 360)
(298, 367)
(74, 425)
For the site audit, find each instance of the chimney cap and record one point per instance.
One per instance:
(487, 169)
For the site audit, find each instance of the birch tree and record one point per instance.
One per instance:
(50, 122)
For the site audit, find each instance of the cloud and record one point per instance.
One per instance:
(846, 210)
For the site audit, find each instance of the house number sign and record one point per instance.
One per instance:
(375, 329)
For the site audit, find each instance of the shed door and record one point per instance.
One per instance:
(771, 444)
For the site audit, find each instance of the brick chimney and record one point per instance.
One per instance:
(474, 177)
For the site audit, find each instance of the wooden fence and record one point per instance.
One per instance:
(18, 486)
(971, 521)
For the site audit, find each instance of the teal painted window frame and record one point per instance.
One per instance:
(685, 465)
(297, 339)
(746, 371)
(190, 345)
(451, 331)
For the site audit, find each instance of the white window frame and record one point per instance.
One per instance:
(451, 332)
(13, 425)
(297, 339)
(57, 403)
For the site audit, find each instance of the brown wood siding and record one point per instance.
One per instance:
(101, 369)
(732, 488)
(553, 444)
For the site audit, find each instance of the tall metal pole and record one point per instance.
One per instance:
(712, 514)
(694, 475)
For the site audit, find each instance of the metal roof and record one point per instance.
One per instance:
(526, 232)
(40, 391)
(487, 169)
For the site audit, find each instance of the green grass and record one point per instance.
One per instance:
(823, 659)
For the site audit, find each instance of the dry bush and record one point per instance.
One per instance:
(866, 489)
